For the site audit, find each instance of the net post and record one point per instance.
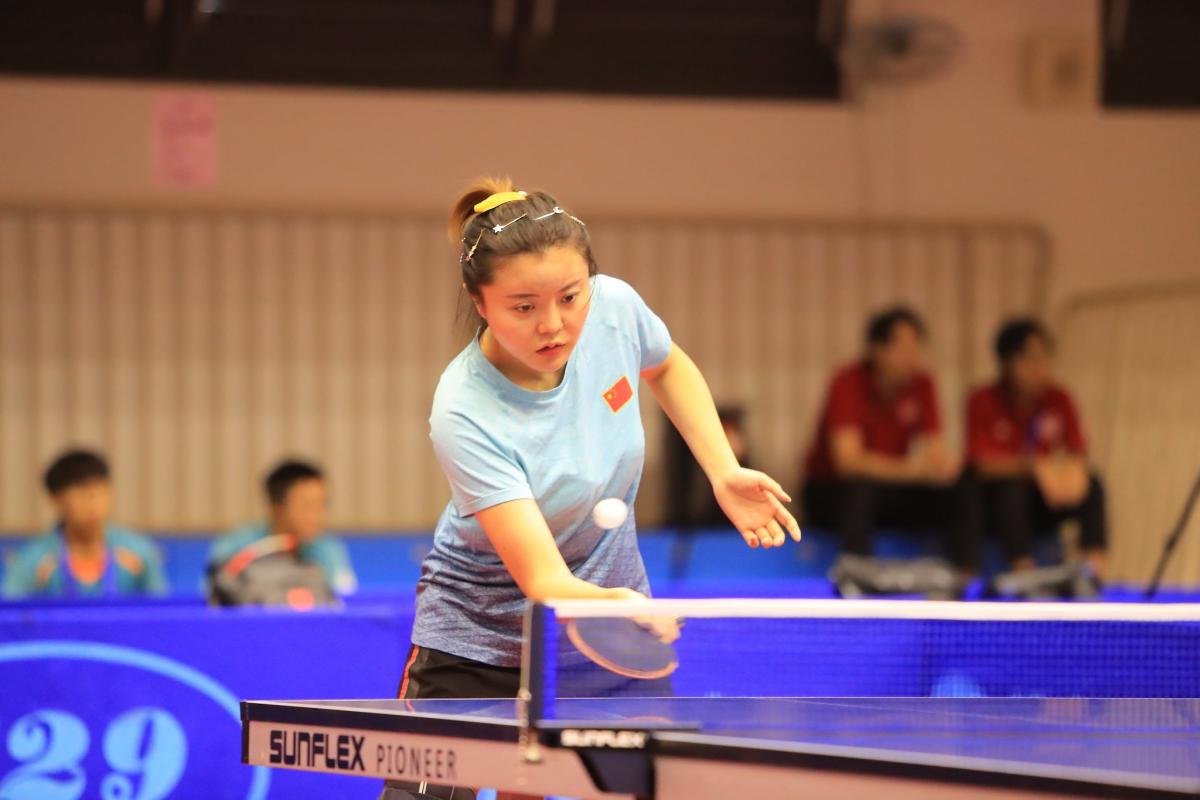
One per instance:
(531, 697)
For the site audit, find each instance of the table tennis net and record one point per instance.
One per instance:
(874, 648)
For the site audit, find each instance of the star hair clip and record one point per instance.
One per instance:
(465, 257)
(499, 228)
(552, 212)
(496, 229)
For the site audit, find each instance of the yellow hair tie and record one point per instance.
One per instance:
(497, 199)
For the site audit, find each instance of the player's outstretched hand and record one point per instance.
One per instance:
(753, 501)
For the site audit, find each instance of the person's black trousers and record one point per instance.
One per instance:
(856, 507)
(1014, 511)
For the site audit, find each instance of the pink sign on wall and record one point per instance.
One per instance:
(184, 140)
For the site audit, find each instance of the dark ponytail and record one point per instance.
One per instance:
(477, 192)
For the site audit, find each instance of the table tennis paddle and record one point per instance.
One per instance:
(624, 646)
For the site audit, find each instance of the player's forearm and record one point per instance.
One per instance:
(684, 395)
(567, 587)
(525, 544)
(553, 580)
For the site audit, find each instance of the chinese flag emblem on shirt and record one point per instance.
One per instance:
(618, 395)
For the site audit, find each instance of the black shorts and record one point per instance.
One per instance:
(432, 673)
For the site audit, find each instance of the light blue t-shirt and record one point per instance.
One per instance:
(566, 448)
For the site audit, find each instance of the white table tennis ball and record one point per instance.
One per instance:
(610, 513)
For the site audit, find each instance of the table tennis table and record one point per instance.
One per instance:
(719, 747)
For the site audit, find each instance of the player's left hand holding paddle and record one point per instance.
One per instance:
(753, 501)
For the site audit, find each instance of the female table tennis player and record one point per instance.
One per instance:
(534, 422)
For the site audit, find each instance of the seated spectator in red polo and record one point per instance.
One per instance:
(878, 458)
(1027, 451)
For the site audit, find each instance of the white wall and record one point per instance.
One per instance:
(1118, 191)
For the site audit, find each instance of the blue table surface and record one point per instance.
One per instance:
(1080, 737)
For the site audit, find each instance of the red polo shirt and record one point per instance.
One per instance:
(998, 428)
(887, 427)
